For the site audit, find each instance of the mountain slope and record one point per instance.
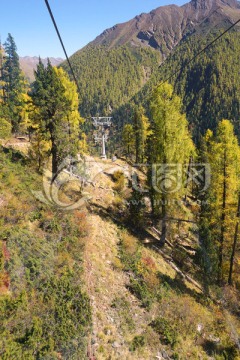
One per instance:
(165, 26)
(209, 86)
(108, 78)
(59, 270)
(114, 67)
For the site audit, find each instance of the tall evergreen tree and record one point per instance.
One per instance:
(128, 139)
(56, 115)
(169, 149)
(218, 218)
(207, 248)
(13, 81)
(5, 126)
(141, 131)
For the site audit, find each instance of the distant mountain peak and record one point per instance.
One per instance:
(203, 4)
(209, 4)
(29, 64)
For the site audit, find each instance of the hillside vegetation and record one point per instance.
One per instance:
(208, 86)
(44, 310)
(144, 300)
(109, 78)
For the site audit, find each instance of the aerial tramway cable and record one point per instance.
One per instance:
(61, 41)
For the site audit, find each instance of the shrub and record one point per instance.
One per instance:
(141, 291)
(130, 244)
(119, 179)
(138, 342)
(167, 333)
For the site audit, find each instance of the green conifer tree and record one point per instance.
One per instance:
(128, 139)
(218, 218)
(14, 85)
(56, 115)
(169, 149)
(141, 131)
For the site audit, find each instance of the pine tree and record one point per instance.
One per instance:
(207, 248)
(55, 114)
(5, 125)
(128, 139)
(223, 154)
(169, 149)
(13, 81)
(141, 132)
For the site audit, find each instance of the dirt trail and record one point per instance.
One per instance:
(117, 315)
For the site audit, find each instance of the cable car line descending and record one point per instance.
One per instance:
(60, 39)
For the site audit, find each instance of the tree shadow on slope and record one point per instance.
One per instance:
(177, 284)
(122, 221)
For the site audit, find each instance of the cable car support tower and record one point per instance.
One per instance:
(102, 124)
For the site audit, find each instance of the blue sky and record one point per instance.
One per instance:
(79, 22)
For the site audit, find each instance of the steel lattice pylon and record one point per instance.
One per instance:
(102, 124)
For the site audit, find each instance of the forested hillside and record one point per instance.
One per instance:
(209, 86)
(109, 78)
(121, 66)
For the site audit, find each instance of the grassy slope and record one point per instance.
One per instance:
(140, 306)
(44, 312)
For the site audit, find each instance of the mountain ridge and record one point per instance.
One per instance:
(164, 27)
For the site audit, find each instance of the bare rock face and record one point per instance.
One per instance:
(202, 4)
(164, 27)
(209, 4)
